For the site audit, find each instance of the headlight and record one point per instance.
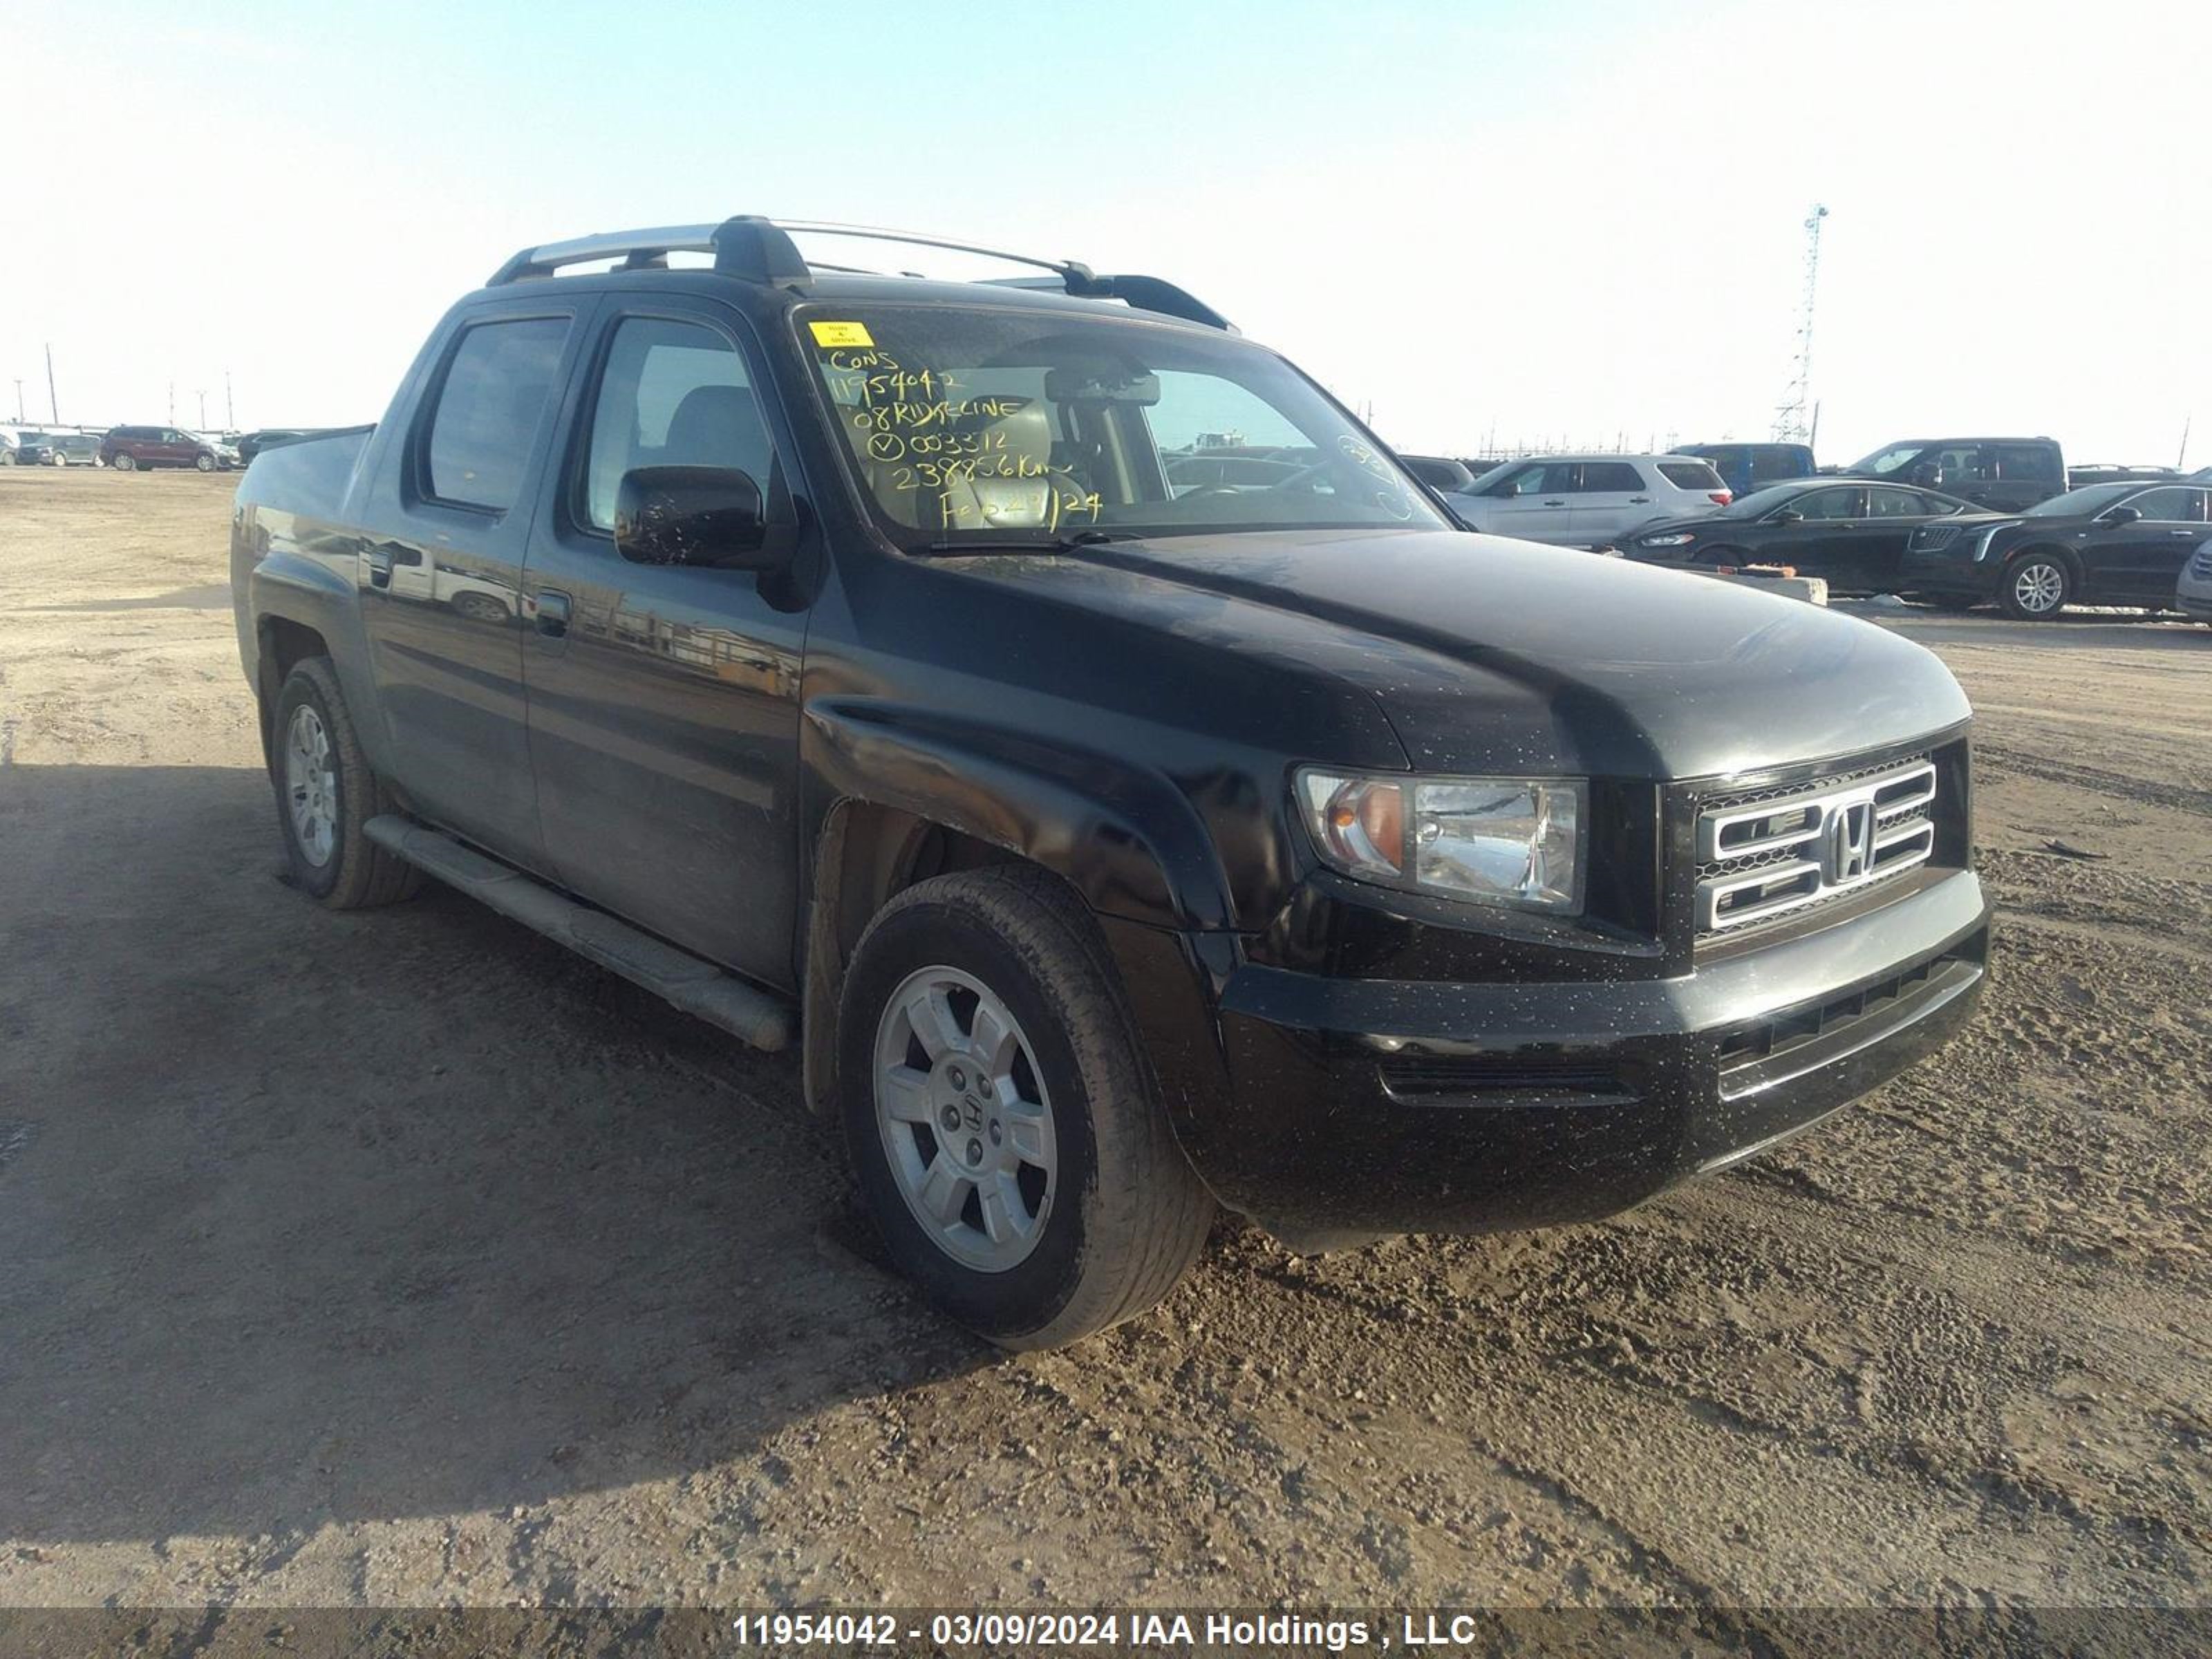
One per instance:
(1497, 841)
(1678, 539)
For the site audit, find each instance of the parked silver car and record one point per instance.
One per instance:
(1588, 500)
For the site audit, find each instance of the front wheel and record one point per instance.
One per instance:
(1002, 1125)
(127, 464)
(2036, 588)
(325, 793)
(204, 463)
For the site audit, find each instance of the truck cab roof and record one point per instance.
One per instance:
(760, 252)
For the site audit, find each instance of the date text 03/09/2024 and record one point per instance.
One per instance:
(1195, 1632)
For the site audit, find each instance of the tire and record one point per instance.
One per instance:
(1098, 1214)
(7, 457)
(203, 462)
(333, 863)
(2036, 586)
(480, 607)
(127, 463)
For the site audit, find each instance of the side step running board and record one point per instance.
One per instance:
(676, 977)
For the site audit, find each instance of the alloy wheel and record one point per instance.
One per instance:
(311, 785)
(965, 1120)
(2037, 586)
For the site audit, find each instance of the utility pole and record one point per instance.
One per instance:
(2181, 461)
(229, 409)
(202, 396)
(53, 401)
(172, 403)
(19, 400)
(1790, 422)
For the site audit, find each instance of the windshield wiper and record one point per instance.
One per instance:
(955, 545)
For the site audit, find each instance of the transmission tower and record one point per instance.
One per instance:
(1791, 424)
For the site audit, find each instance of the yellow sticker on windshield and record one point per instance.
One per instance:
(841, 334)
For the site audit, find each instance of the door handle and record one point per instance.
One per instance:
(2181, 532)
(1639, 501)
(1555, 503)
(552, 608)
(380, 566)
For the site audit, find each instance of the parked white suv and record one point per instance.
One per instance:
(1588, 500)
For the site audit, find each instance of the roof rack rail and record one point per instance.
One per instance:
(760, 249)
(746, 247)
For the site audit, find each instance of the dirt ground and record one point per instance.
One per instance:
(400, 1258)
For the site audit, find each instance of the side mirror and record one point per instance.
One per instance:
(1507, 489)
(1928, 475)
(2120, 515)
(697, 516)
(1785, 515)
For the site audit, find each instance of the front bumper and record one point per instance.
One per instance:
(2193, 601)
(1360, 1107)
(1948, 573)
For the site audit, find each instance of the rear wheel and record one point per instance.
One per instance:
(480, 607)
(1002, 1125)
(325, 793)
(2036, 588)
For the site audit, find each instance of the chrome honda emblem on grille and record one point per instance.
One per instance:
(1770, 852)
(1847, 845)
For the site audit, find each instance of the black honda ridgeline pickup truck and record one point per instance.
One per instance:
(835, 655)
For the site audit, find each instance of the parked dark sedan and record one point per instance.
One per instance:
(1851, 534)
(2111, 543)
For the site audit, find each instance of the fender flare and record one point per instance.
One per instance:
(1128, 842)
(1125, 837)
(307, 592)
(2058, 551)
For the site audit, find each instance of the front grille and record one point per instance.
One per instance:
(1935, 537)
(2201, 566)
(1769, 853)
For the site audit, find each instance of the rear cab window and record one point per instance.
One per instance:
(475, 439)
(2037, 463)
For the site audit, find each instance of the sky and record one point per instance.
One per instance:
(1492, 224)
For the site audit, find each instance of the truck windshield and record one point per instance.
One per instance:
(1883, 462)
(977, 423)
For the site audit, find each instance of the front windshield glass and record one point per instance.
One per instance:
(2093, 499)
(975, 424)
(1884, 461)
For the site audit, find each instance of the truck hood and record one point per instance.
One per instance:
(1493, 655)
